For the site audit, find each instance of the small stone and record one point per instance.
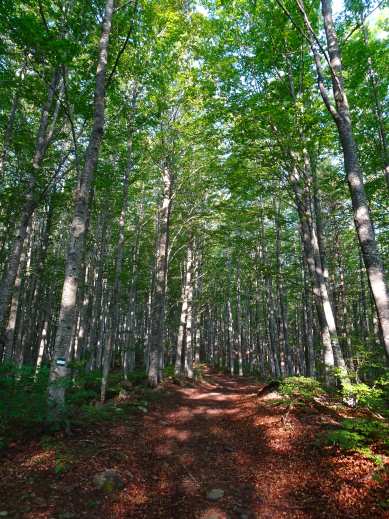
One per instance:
(214, 514)
(215, 494)
(143, 409)
(123, 395)
(108, 481)
(4, 513)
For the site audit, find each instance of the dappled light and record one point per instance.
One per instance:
(265, 461)
(194, 248)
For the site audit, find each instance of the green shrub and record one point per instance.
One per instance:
(91, 414)
(375, 397)
(303, 388)
(23, 401)
(369, 429)
(137, 377)
(358, 434)
(347, 440)
(79, 396)
(168, 371)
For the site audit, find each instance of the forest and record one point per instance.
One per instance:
(194, 247)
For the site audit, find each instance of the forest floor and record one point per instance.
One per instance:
(216, 434)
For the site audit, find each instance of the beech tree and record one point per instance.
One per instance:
(173, 190)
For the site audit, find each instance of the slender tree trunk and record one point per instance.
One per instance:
(183, 317)
(231, 348)
(28, 207)
(98, 294)
(316, 281)
(341, 115)
(189, 312)
(158, 303)
(24, 300)
(276, 368)
(131, 342)
(308, 324)
(85, 311)
(11, 326)
(282, 297)
(239, 324)
(230, 322)
(362, 219)
(79, 224)
(319, 256)
(40, 289)
(119, 258)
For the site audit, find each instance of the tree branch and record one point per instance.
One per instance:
(359, 24)
(123, 47)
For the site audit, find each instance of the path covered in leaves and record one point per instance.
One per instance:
(215, 436)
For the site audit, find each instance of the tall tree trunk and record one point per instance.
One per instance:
(362, 219)
(11, 326)
(98, 294)
(158, 303)
(319, 256)
(130, 343)
(341, 115)
(239, 323)
(308, 323)
(183, 317)
(230, 322)
(38, 295)
(79, 224)
(189, 313)
(311, 262)
(28, 206)
(282, 296)
(114, 317)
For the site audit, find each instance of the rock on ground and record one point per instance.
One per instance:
(108, 481)
(215, 494)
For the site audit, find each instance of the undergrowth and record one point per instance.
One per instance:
(23, 400)
(300, 388)
(360, 395)
(198, 372)
(360, 435)
(368, 435)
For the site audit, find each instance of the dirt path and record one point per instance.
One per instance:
(217, 435)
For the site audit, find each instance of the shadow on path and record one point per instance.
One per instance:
(217, 435)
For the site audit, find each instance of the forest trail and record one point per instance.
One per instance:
(215, 435)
